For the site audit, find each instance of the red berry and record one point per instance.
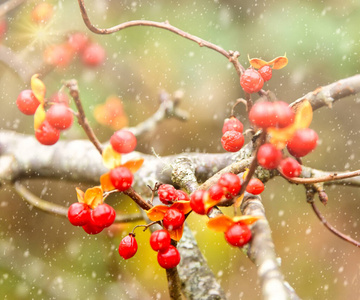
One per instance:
(255, 186)
(42, 13)
(93, 55)
(173, 219)
(169, 258)
(160, 240)
(3, 28)
(238, 235)
(197, 202)
(60, 97)
(181, 195)
(290, 167)
(269, 156)
(284, 114)
(58, 55)
(265, 72)
(167, 193)
(27, 103)
(232, 124)
(103, 215)
(128, 247)
(216, 192)
(78, 41)
(123, 141)
(46, 134)
(231, 183)
(79, 214)
(303, 142)
(91, 228)
(251, 81)
(121, 178)
(59, 116)
(232, 141)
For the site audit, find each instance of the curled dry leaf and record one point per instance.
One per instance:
(38, 88)
(277, 63)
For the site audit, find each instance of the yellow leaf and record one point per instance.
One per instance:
(80, 195)
(177, 233)
(183, 206)
(105, 183)
(93, 196)
(111, 158)
(39, 116)
(134, 164)
(303, 118)
(220, 223)
(38, 88)
(157, 212)
(257, 63)
(279, 62)
(239, 200)
(247, 220)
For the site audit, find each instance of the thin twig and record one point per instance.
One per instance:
(9, 5)
(329, 177)
(60, 210)
(331, 228)
(232, 56)
(74, 92)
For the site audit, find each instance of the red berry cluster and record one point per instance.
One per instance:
(58, 117)
(168, 256)
(94, 220)
(232, 139)
(168, 194)
(78, 43)
(122, 141)
(228, 186)
(252, 80)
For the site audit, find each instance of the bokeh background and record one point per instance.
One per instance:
(44, 257)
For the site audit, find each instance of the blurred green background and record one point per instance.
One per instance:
(44, 257)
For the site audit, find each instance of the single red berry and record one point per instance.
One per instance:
(46, 134)
(231, 183)
(160, 240)
(169, 258)
(265, 72)
(128, 247)
(284, 114)
(269, 156)
(197, 202)
(232, 141)
(58, 55)
(78, 41)
(121, 178)
(216, 192)
(93, 55)
(303, 142)
(251, 81)
(3, 28)
(255, 186)
(290, 167)
(238, 235)
(91, 228)
(27, 103)
(79, 214)
(103, 215)
(167, 193)
(181, 195)
(232, 124)
(59, 116)
(123, 141)
(173, 219)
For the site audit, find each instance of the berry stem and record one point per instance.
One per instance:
(146, 226)
(137, 199)
(72, 85)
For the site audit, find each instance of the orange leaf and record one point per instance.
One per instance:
(39, 116)
(303, 118)
(134, 164)
(247, 220)
(220, 223)
(105, 183)
(279, 62)
(183, 206)
(93, 196)
(80, 195)
(209, 203)
(157, 212)
(257, 63)
(111, 158)
(111, 113)
(177, 233)
(38, 88)
(239, 200)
